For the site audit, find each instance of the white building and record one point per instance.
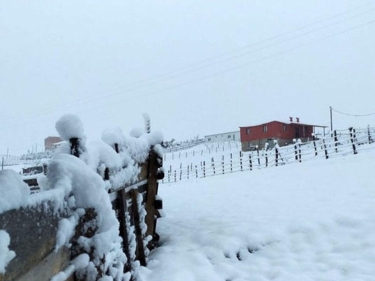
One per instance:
(223, 137)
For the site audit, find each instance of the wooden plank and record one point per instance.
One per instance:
(122, 217)
(152, 190)
(140, 252)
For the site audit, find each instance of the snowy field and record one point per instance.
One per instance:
(304, 221)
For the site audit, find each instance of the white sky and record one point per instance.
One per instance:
(196, 67)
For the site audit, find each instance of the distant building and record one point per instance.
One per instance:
(50, 143)
(282, 132)
(223, 137)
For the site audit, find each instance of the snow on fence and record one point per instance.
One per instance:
(210, 148)
(9, 160)
(205, 164)
(95, 216)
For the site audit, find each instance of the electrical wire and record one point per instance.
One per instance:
(106, 95)
(354, 115)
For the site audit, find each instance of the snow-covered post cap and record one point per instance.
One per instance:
(114, 138)
(70, 128)
(266, 146)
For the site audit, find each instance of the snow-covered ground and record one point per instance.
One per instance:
(304, 221)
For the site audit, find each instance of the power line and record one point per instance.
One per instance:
(91, 99)
(354, 115)
(223, 58)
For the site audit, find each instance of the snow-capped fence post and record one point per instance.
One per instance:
(314, 143)
(258, 155)
(369, 134)
(276, 154)
(231, 163)
(213, 165)
(335, 140)
(250, 162)
(223, 164)
(204, 169)
(295, 149)
(325, 149)
(299, 150)
(140, 251)
(266, 153)
(352, 138)
(123, 210)
(241, 166)
(196, 171)
(188, 168)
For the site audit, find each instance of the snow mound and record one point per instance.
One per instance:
(70, 126)
(14, 192)
(5, 254)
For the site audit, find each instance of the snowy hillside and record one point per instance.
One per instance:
(305, 221)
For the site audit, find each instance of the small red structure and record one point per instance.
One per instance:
(283, 133)
(51, 142)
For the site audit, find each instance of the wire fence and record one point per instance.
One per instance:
(221, 161)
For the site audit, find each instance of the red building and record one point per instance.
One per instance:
(282, 132)
(50, 143)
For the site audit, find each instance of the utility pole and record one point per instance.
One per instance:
(330, 111)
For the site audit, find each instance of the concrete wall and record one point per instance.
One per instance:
(33, 238)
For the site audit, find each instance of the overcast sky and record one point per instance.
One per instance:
(196, 67)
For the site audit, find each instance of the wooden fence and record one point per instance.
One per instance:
(33, 229)
(337, 143)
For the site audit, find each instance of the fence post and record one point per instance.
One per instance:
(352, 137)
(196, 171)
(276, 153)
(295, 149)
(335, 139)
(369, 135)
(175, 176)
(231, 163)
(325, 149)
(74, 146)
(213, 165)
(250, 162)
(222, 164)
(188, 171)
(204, 169)
(258, 155)
(140, 251)
(314, 142)
(155, 173)
(241, 161)
(122, 217)
(266, 152)
(299, 151)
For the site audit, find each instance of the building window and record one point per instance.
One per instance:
(265, 129)
(247, 131)
(284, 128)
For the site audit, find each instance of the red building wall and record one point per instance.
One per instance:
(275, 130)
